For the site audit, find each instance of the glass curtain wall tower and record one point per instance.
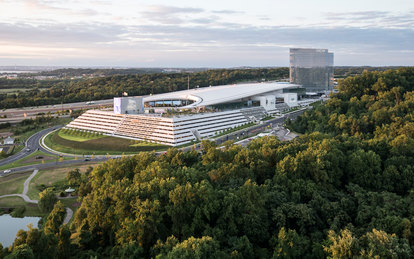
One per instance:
(312, 68)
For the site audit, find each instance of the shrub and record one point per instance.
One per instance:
(18, 212)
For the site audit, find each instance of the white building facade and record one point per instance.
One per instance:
(255, 101)
(174, 131)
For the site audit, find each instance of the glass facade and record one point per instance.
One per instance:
(312, 68)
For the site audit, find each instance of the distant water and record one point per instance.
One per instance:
(9, 227)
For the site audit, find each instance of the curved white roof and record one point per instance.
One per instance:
(220, 94)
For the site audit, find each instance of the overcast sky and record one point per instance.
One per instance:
(207, 33)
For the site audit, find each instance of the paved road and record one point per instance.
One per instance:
(31, 145)
(26, 187)
(13, 114)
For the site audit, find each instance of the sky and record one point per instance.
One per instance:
(207, 33)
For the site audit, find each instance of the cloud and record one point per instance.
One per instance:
(367, 15)
(167, 10)
(56, 7)
(227, 12)
(251, 36)
(202, 38)
(373, 19)
(170, 35)
(163, 14)
(50, 34)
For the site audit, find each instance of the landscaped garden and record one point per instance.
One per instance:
(92, 143)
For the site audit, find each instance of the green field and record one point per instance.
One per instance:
(52, 177)
(13, 183)
(32, 210)
(100, 146)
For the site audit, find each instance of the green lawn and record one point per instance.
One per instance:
(28, 161)
(32, 210)
(291, 110)
(13, 183)
(248, 125)
(146, 144)
(268, 118)
(74, 137)
(52, 177)
(100, 146)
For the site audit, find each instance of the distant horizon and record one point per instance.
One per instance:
(161, 67)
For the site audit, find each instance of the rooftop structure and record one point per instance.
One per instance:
(128, 105)
(208, 96)
(312, 68)
(8, 141)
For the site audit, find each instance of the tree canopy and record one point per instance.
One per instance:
(44, 92)
(343, 189)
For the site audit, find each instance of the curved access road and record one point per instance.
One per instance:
(31, 145)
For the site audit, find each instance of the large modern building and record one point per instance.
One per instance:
(180, 117)
(312, 68)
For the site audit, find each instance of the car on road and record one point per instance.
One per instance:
(7, 171)
(28, 150)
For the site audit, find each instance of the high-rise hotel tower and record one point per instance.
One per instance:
(312, 68)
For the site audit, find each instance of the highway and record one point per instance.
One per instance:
(19, 114)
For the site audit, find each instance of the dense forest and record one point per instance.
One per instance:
(345, 71)
(30, 83)
(82, 72)
(139, 84)
(344, 189)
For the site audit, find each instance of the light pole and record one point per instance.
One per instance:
(63, 92)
